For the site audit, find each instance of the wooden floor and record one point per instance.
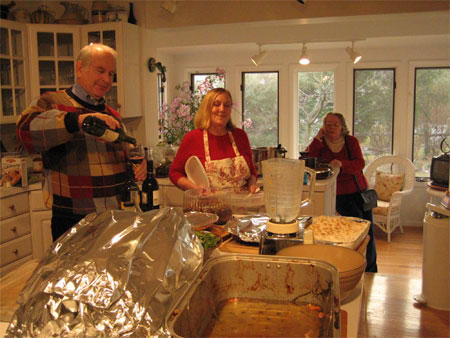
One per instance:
(403, 255)
(388, 307)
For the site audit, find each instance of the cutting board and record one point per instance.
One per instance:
(235, 246)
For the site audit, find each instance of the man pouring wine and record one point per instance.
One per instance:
(84, 168)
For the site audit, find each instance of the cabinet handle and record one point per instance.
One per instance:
(13, 229)
(12, 207)
(15, 251)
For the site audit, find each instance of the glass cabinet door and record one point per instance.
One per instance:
(56, 60)
(13, 81)
(106, 37)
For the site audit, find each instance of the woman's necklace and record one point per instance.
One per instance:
(335, 145)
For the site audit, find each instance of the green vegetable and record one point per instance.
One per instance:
(207, 239)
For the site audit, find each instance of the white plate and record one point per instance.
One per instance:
(195, 171)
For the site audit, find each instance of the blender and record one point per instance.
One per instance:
(283, 186)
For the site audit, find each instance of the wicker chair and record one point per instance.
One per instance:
(387, 214)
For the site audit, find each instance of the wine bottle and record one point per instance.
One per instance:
(150, 187)
(130, 191)
(97, 127)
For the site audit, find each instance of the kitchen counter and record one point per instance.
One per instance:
(387, 306)
(5, 192)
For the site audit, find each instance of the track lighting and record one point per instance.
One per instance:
(354, 55)
(256, 59)
(304, 59)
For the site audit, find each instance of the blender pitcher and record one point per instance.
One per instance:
(283, 186)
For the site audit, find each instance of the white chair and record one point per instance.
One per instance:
(387, 214)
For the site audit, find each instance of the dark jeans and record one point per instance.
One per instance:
(63, 221)
(351, 205)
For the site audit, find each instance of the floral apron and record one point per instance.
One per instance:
(229, 172)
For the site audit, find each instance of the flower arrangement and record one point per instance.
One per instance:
(177, 118)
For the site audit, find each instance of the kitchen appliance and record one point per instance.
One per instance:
(440, 170)
(283, 187)
(249, 288)
(264, 153)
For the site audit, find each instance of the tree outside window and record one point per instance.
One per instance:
(260, 108)
(315, 99)
(431, 115)
(373, 111)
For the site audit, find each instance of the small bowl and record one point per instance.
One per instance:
(350, 264)
(200, 220)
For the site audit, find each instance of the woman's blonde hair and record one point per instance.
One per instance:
(341, 120)
(202, 118)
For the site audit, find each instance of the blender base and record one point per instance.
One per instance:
(271, 243)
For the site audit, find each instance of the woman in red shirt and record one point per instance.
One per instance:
(333, 144)
(223, 149)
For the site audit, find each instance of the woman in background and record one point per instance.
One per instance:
(223, 149)
(342, 150)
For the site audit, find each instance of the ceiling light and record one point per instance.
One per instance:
(304, 59)
(256, 59)
(354, 55)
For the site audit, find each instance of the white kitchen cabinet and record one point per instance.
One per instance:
(14, 70)
(53, 50)
(15, 236)
(41, 232)
(125, 95)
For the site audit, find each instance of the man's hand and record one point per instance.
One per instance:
(110, 121)
(140, 171)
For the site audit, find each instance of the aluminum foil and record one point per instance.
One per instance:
(115, 274)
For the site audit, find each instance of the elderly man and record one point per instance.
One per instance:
(83, 174)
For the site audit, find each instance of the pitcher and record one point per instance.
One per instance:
(283, 187)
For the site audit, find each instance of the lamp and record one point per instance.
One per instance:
(354, 55)
(304, 60)
(256, 59)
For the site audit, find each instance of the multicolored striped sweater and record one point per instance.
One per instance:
(82, 173)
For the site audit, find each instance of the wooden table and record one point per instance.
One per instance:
(387, 309)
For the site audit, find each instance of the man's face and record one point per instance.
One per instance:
(97, 77)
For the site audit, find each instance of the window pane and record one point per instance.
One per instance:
(373, 111)
(260, 108)
(202, 83)
(65, 44)
(431, 115)
(315, 99)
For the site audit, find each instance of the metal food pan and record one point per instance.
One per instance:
(267, 278)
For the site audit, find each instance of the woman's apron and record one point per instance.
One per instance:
(226, 173)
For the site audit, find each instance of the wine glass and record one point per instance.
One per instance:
(136, 154)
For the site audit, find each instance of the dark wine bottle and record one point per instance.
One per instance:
(97, 127)
(150, 187)
(131, 18)
(130, 191)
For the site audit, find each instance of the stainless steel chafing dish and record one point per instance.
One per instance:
(290, 284)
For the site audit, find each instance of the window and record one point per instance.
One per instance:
(260, 108)
(373, 111)
(315, 99)
(431, 115)
(206, 81)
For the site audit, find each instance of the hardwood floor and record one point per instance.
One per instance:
(388, 307)
(403, 255)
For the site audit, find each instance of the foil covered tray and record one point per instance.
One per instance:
(249, 228)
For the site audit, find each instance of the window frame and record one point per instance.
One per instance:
(242, 85)
(394, 89)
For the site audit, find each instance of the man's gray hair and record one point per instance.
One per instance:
(86, 52)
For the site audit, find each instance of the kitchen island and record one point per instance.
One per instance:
(388, 308)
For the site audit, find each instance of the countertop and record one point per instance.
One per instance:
(5, 192)
(388, 308)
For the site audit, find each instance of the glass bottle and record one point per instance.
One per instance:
(130, 191)
(97, 127)
(150, 187)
